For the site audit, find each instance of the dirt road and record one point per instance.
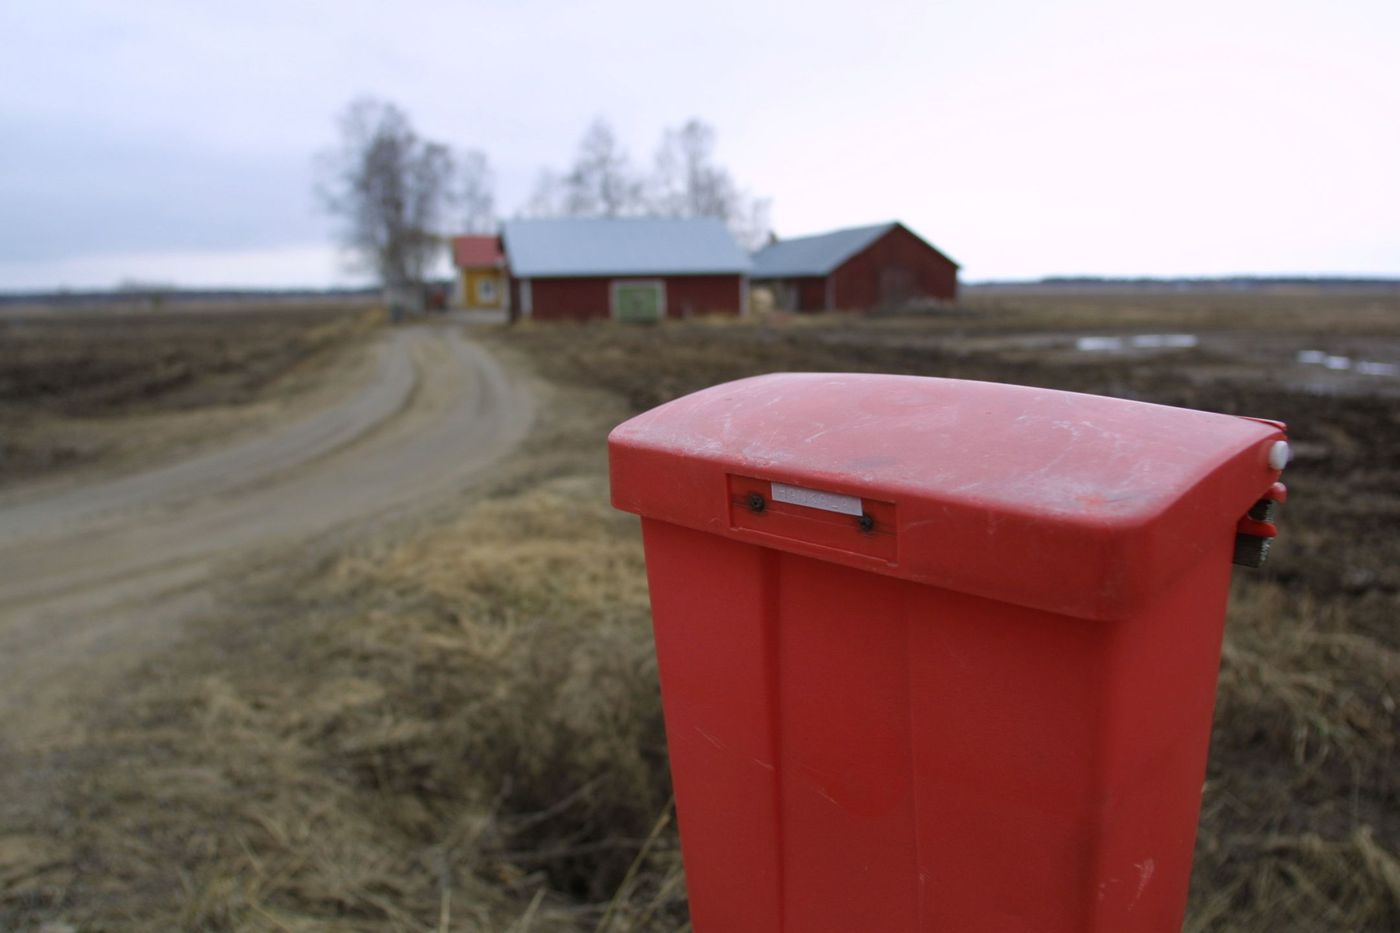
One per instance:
(93, 577)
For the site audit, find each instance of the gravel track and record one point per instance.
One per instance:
(94, 577)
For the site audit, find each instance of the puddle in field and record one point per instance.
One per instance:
(1136, 342)
(1346, 363)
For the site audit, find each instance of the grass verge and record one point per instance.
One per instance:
(455, 725)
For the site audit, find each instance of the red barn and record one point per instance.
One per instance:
(861, 268)
(633, 269)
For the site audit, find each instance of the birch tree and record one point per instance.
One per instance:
(688, 181)
(390, 189)
(476, 194)
(601, 182)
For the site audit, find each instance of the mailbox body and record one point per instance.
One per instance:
(936, 655)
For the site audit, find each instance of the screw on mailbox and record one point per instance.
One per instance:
(756, 502)
(1251, 551)
(866, 522)
(1255, 532)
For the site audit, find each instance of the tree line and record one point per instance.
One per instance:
(397, 196)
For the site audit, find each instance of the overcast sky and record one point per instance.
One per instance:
(171, 140)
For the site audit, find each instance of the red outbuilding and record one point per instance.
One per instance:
(858, 269)
(630, 269)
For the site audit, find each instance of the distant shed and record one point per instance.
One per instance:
(859, 268)
(634, 269)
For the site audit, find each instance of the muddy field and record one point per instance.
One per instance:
(80, 387)
(455, 725)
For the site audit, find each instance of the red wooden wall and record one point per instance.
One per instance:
(583, 299)
(811, 293)
(897, 263)
(896, 268)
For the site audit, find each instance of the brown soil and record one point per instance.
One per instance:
(82, 388)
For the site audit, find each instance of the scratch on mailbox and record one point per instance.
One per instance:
(1145, 868)
(711, 739)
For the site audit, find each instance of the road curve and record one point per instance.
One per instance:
(97, 574)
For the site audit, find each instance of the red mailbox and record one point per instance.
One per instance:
(935, 654)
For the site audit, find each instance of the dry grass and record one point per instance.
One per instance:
(1298, 829)
(456, 725)
(462, 724)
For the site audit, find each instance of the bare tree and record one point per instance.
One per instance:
(750, 222)
(601, 182)
(392, 190)
(477, 194)
(547, 199)
(688, 182)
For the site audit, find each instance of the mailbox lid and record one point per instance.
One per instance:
(1075, 503)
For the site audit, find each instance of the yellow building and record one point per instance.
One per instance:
(481, 274)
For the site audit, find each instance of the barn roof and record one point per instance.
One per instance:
(621, 246)
(475, 252)
(814, 255)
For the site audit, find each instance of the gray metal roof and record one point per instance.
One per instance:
(814, 255)
(621, 246)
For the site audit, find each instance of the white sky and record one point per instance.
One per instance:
(173, 141)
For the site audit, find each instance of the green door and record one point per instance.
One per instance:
(638, 301)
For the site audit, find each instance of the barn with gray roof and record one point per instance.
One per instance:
(633, 269)
(860, 268)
